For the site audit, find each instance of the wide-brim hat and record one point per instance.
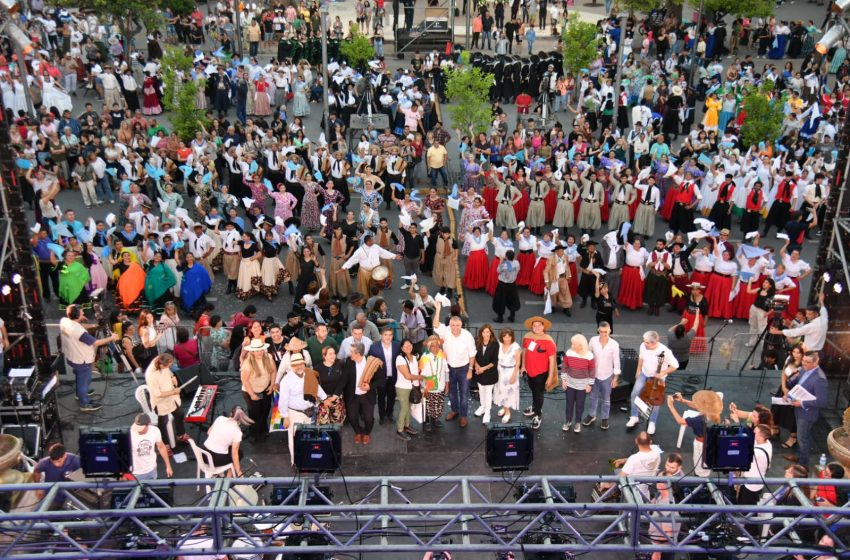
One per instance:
(677, 90)
(695, 285)
(256, 345)
(547, 324)
(295, 344)
(354, 297)
(709, 403)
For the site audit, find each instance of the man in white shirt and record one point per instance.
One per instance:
(356, 337)
(645, 462)
(749, 494)
(144, 221)
(294, 407)
(111, 89)
(368, 256)
(145, 442)
(654, 360)
(814, 331)
(459, 347)
(201, 246)
(606, 358)
(361, 404)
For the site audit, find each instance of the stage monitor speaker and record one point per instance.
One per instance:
(105, 452)
(729, 448)
(318, 449)
(379, 121)
(536, 495)
(509, 447)
(628, 366)
(290, 495)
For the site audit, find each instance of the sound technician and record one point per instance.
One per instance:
(80, 349)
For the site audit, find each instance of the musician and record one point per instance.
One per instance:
(360, 400)
(368, 256)
(300, 392)
(386, 350)
(224, 438)
(80, 350)
(165, 395)
(257, 373)
(710, 407)
(654, 361)
(145, 441)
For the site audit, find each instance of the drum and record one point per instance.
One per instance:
(379, 277)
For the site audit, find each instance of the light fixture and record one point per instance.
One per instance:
(837, 288)
(6, 289)
(826, 277)
(18, 37)
(16, 279)
(829, 39)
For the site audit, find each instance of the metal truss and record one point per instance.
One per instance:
(467, 514)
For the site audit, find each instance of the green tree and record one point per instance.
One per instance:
(764, 116)
(581, 44)
(358, 50)
(468, 90)
(743, 8)
(128, 15)
(181, 93)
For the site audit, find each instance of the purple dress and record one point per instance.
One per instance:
(259, 193)
(332, 199)
(470, 178)
(310, 207)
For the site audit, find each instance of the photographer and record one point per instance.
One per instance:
(760, 307)
(814, 331)
(79, 348)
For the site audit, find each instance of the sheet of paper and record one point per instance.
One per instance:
(21, 372)
(779, 401)
(799, 393)
(180, 457)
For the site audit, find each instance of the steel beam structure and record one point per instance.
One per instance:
(476, 514)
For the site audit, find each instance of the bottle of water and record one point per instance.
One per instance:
(19, 399)
(822, 464)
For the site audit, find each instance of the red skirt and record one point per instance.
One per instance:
(667, 207)
(606, 207)
(526, 268)
(551, 203)
(475, 276)
(717, 294)
(633, 208)
(573, 279)
(538, 285)
(490, 194)
(701, 277)
(744, 300)
(631, 288)
(794, 304)
(493, 276)
(698, 344)
(521, 208)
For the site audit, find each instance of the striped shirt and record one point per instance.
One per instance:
(578, 371)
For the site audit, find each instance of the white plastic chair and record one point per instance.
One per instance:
(690, 414)
(143, 396)
(204, 460)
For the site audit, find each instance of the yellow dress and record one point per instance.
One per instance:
(712, 114)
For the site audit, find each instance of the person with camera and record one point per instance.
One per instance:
(710, 407)
(760, 307)
(814, 331)
(80, 349)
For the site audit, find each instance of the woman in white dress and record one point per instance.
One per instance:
(300, 106)
(52, 95)
(506, 394)
(18, 100)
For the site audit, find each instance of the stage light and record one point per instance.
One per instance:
(838, 288)
(16, 279)
(826, 277)
(830, 38)
(6, 289)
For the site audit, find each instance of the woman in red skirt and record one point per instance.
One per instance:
(796, 269)
(632, 278)
(475, 276)
(521, 207)
(545, 249)
(744, 299)
(702, 267)
(696, 311)
(669, 197)
(501, 245)
(720, 286)
(551, 203)
(573, 256)
(527, 245)
(489, 193)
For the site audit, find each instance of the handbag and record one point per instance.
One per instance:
(416, 395)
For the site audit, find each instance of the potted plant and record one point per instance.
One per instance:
(838, 441)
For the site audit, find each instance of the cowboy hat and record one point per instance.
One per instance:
(547, 324)
(295, 344)
(676, 90)
(695, 286)
(709, 403)
(256, 345)
(296, 359)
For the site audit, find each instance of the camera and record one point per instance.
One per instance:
(779, 303)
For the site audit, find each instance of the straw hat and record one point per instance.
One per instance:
(295, 344)
(695, 286)
(547, 324)
(709, 403)
(256, 345)
(677, 90)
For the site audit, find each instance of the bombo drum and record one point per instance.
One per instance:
(379, 276)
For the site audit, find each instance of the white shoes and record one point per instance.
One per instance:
(479, 411)
(565, 427)
(486, 419)
(651, 428)
(633, 421)
(577, 428)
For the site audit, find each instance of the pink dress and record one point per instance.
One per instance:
(283, 205)
(99, 279)
(310, 207)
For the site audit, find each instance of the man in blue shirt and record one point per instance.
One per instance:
(48, 270)
(55, 468)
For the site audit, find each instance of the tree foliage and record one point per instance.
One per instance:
(581, 44)
(743, 8)
(181, 93)
(468, 90)
(126, 14)
(764, 116)
(358, 50)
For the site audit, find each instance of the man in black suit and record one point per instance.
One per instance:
(360, 397)
(386, 350)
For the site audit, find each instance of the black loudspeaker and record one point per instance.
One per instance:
(105, 453)
(509, 447)
(318, 449)
(290, 495)
(729, 448)
(628, 367)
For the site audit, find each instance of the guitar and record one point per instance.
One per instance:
(653, 392)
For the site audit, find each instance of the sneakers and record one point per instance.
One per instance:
(90, 393)
(588, 420)
(604, 424)
(479, 411)
(486, 419)
(402, 436)
(565, 427)
(577, 428)
(633, 421)
(535, 423)
(651, 428)
(528, 411)
(91, 407)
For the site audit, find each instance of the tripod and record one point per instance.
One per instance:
(776, 321)
(711, 351)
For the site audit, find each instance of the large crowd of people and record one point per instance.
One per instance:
(564, 202)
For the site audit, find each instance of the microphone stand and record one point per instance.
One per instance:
(711, 351)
